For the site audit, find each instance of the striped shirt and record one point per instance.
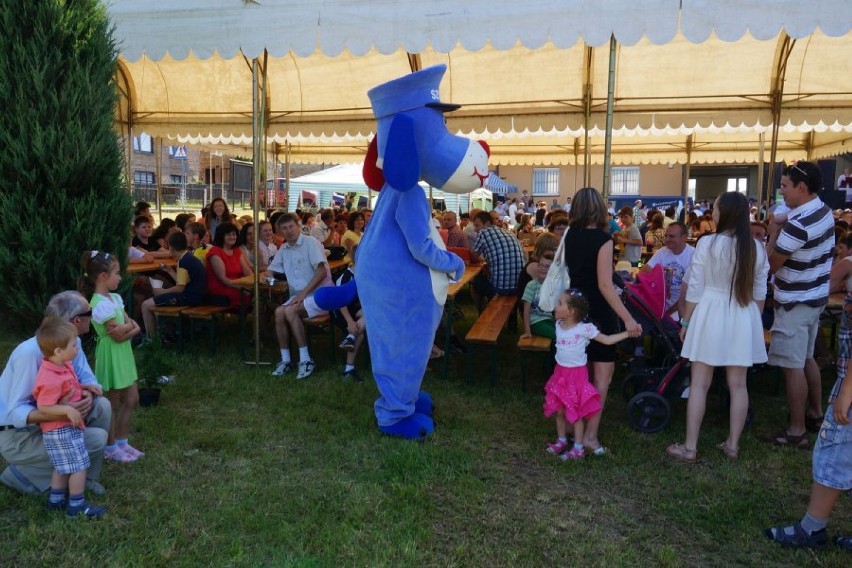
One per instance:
(807, 238)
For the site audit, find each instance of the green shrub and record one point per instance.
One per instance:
(60, 164)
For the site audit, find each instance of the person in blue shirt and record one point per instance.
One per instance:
(21, 444)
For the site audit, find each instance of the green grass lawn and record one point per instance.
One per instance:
(244, 469)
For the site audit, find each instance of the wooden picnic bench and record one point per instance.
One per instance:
(488, 326)
(533, 343)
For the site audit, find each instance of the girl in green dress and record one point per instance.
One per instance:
(115, 366)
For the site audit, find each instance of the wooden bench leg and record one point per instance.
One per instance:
(494, 366)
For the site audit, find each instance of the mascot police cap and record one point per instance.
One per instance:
(416, 90)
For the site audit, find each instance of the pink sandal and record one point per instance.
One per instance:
(118, 455)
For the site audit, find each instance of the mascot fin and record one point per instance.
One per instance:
(335, 297)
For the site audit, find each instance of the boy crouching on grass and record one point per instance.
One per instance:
(191, 283)
(56, 383)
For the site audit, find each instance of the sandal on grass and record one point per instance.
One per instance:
(784, 439)
(730, 452)
(599, 451)
(436, 354)
(681, 453)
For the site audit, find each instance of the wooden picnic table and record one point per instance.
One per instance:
(471, 271)
(143, 267)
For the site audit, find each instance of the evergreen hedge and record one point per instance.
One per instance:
(60, 158)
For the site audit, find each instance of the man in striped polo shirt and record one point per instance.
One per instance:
(800, 258)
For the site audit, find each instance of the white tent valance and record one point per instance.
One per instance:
(303, 27)
(519, 74)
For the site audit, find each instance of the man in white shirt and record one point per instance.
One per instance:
(675, 257)
(302, 260)
(845, 179)
(513, 209)
(29, 469)
(323, 229)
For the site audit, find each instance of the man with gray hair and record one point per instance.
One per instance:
(21, 445)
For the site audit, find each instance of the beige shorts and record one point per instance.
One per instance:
(793, 336)
(310, 305)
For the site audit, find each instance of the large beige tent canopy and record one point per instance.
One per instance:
(696, 80)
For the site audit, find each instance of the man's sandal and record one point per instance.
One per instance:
(784, 439)
(681, 453)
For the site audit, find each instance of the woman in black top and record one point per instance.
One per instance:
(588, 256)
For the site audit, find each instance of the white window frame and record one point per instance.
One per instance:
(176, 179)
(545, 181)
(143, 143)
(738, 184)
(624, 181)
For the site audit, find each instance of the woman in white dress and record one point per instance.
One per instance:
(721, 323)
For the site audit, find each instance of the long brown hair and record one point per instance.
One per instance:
(92, 264)
(588, 208)
(734, 221)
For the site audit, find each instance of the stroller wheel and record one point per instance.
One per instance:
(628, 387)
(648, 412)
(635, 383)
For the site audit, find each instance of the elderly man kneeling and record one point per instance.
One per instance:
(21, 445)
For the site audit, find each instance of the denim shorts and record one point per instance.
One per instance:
(832, 459)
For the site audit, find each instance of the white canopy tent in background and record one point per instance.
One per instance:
(347, 178)
(696, 80)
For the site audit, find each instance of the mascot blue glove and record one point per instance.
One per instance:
(403, 266)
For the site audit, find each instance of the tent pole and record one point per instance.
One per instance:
(587, 113)
(287, 173)
(684, 189)
(760, 166)
(576, 162)
(274, 177)
(209, 190)
(782, 56)
(258, 86)
(610, 96)
(158, 164)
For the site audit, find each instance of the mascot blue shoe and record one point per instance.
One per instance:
(424, 404)
(403, 267)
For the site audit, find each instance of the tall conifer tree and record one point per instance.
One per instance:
(60, 159)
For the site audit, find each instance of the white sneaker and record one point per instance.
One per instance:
(282, 368)
(306, 369)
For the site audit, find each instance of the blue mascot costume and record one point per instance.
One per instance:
(403, 266)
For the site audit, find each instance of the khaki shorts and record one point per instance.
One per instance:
(793, 336)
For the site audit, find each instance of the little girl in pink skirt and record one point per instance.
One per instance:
(568, 392)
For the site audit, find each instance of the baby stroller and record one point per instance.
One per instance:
(659, 374)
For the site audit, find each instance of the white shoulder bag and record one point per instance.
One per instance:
(556, 281)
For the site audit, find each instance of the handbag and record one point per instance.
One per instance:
(556, 281)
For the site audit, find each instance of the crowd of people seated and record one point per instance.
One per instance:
(722, 262)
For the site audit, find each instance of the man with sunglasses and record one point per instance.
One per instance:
(799, 250)
(28, 466)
